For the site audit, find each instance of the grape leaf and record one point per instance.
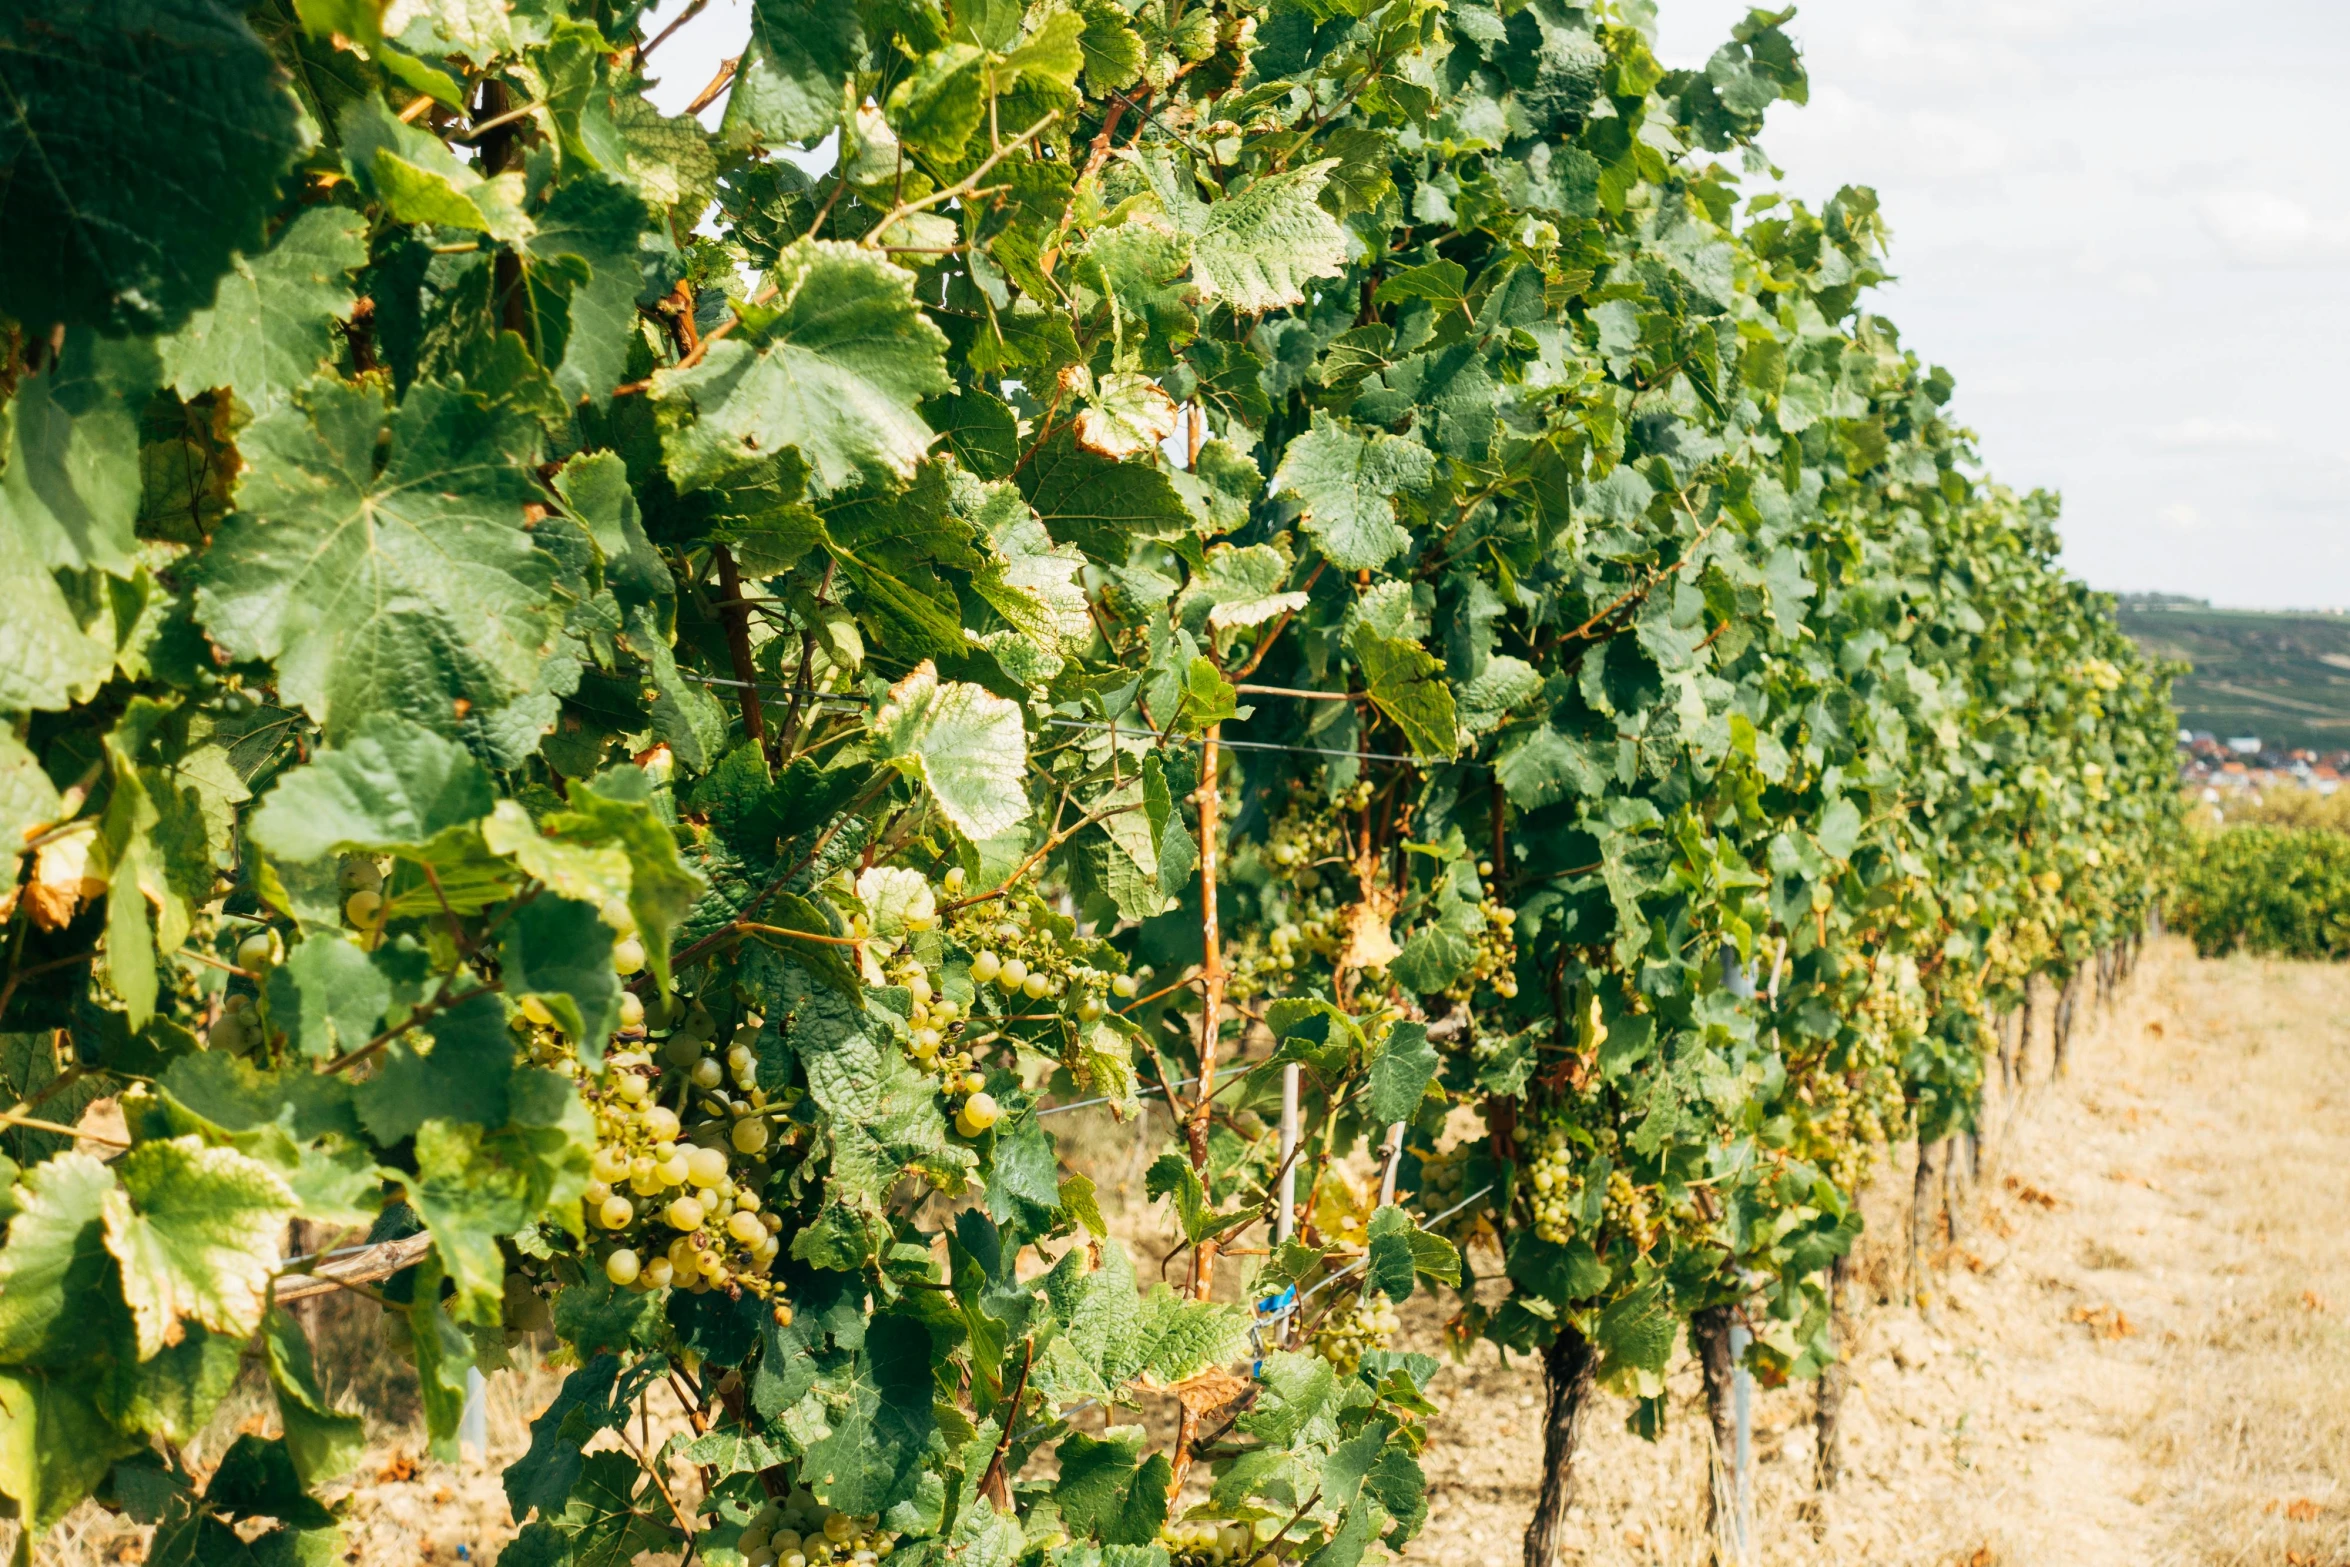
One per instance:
(55, 1252)
(1346, 480)
(385, 577)
(142, 144)
(196, 1231)
(795, 72)
(968, 747)
(70, 481)
(1258, 250)
(834, 367)
(271, 325)
(392, 785)
(1407, 685)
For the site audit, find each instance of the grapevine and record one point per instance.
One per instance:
(613, 715)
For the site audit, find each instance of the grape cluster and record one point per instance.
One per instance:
(1210, 1542)
(1349, 1330)
(1496, 959)
(800, 1531)
(362, 881)
(674, 1207)
(1022, 971)
(1558, 1187)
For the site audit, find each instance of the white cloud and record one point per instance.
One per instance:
(2261, 228)
(2206, 434)
(2181, 518)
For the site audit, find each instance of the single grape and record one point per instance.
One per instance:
(632, 1010)
(1012, 975)
(705, 1167)
(629, 1086)
(657, 1273)
(362, 908)
(745, 1227)
(981, 1110)
(953, 881)
(750, 1135)
(628, 955)
(1123, 986)
(660, 1123)
(259, 950)
(616, 1213)
(684, 1213)
(536, 1010)
(1036, 987)
(707, 1073)
(622, 1267)
(986, 967)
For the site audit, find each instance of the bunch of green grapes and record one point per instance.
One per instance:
(1347, 1331)
(1496, 959)
(239, 1029)
(1305, 839)
(1218, 1542)
(362, 881)
(799, 1531)
(1557, 1182)
(673, 1207)
(1628, 1209)
(1023, 971)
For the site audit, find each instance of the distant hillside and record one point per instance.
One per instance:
(2283, 677)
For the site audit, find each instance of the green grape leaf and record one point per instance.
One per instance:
(122, 211)
(1257, 251)
(1171, 1175)
(257, 1478)
(834, 368)
(1400, 1073)
(28, 799)
(469, 1198)
(55, 1258)
(70, 481)
(1087, 500)
(463, 1077)
(795, 73)
(196, 1231)
(48, 659)
(328, 997)
(597, 222)
(393, 785)
(560, 950)
(1107, 1491)
(385, 577)
(968, 748)
(885, 1430)
(271, 326)
(1345, 480)
(1635, 1334)
(55, 1445)
(323, 1443)
(1407, 684)
(419, 180)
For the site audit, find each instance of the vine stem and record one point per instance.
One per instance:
(1203, 1257)
(735, 616)
(992, 1484)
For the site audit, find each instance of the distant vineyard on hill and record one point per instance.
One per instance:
(2282, 677)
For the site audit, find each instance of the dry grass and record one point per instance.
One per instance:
(2138, 1352)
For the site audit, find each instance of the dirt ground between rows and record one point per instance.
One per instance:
(2136, 1350)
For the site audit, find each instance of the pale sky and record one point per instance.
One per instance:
(2124, 225)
